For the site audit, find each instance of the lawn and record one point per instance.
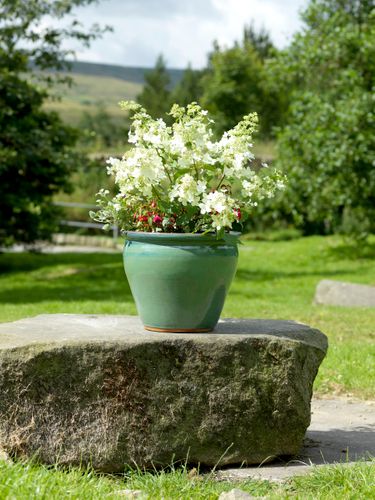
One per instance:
(275, 279)
(28, 481)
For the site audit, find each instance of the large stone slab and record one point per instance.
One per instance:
(339, 293)
(79, 389)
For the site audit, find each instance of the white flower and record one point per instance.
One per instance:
(187, 190)
(132, 161)
(238, 161)
(248, 188)
(223, 220)
(220, 206)
(112, 165)
(208, 159)
(201, 187)
(182, 165)
(216, 201)
(153, 138)
(177, 144)
(132, 137)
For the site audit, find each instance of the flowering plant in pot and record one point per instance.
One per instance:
(180, 192)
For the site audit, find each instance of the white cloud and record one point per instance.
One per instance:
(280, 18)
(184, 30)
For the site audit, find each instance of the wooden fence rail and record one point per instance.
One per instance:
(82, 224)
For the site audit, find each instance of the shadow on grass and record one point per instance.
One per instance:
(63, 277)
(19, 262)
(262, 275)
(352, 251)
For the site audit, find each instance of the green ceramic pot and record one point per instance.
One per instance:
(179, 281)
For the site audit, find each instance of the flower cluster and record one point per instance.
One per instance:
(179, 179)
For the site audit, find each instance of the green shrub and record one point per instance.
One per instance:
(327, 149)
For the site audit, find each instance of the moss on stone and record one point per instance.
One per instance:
(158, 398)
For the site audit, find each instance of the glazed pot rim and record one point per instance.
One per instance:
(231, 236)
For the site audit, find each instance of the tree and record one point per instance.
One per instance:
(327, 149)
(236, 84)
(155, 95)
(36, 155)
(101, 130)
(260, 41)
(189, 88)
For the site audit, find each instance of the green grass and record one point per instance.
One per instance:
(266, 150)
(332, 483)
(85, 188)
(31, 481)
(275, 279)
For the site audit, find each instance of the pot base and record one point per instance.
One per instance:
(178, 330)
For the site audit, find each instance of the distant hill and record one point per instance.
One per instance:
(104, 85)
(128, 73)
(89, 93)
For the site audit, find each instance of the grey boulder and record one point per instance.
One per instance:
(79, 389)
(339, 293)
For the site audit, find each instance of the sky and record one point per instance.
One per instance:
(182, 30)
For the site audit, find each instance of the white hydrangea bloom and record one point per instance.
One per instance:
(216, 201)
(223, 219)
(112, 165)
(182, 165)
(177, 144)
(187, 190)
(249, 188)
(152, 138)
(132, 137)
(137, 170)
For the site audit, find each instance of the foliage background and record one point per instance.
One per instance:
(314, 99)
(37, 155)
